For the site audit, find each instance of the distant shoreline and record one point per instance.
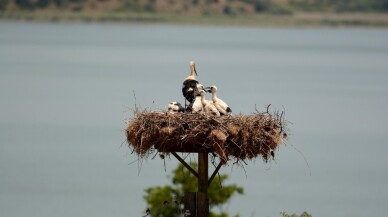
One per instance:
(301, 19)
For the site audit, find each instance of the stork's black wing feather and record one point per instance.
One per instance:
(228, 111)
(189, 88)
(189, 108)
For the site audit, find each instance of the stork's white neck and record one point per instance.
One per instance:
(214, 95)
(203, 100)
(192, 69)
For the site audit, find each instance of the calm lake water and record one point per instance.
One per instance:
(65, 90)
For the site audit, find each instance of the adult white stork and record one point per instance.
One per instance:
(221, 106)
(175, 107)
(189, 86)
(208, 107)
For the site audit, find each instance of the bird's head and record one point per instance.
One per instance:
(200, 87)
(211, 89)
(172, 105)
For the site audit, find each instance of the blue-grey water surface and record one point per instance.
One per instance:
(65, 90)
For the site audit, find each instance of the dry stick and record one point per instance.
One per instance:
(304, 157)
(139, 167)
(256, 108)
(242, 166)
(268, 108)
(133, 162)
(281, 125)
(134, 95)
(123, 143)
(164, 161)
(222, 151)
(154, 156)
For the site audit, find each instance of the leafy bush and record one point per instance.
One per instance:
(304, 214)
(166, 200)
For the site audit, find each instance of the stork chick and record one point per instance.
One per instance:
(208, 107)
(175, 107)
(221, 106)
(196, 106)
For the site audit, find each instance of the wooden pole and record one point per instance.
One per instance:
(202, 172)
(202, 205)
(190, 204)
(202, 197)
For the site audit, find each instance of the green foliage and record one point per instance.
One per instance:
(280, 10)
(340, 5)
(304, 214)
(31, 5)
(233, 10)
(160, 200)
(259, 5)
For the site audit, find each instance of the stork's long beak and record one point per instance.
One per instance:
(195, 71)
(207, 89)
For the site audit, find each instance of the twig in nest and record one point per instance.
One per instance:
(268, 108)
(134, 96)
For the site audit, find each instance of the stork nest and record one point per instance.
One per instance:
(239, 136)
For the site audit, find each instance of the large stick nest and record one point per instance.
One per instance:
(239, 136)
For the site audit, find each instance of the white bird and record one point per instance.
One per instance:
(221, 106)
(197, 104)
(189, 86)
(175, 107)
(208, 107)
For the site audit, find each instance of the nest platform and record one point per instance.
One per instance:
(238, 137)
